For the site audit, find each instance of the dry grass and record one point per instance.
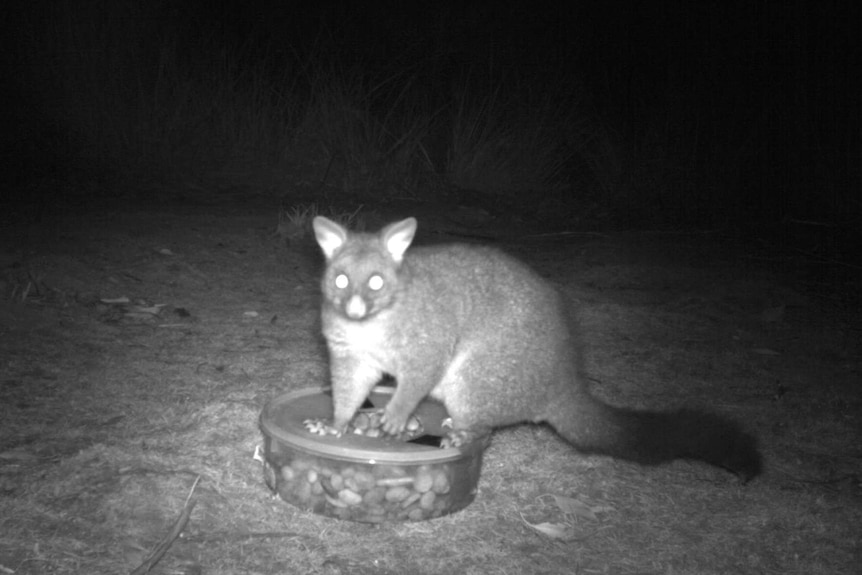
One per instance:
(131, 97)
(513, 140)
(108, 416)
(294, 222)
(370, 129)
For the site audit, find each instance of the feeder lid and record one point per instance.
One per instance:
(282, 419)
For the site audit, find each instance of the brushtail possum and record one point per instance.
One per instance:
(481, 332)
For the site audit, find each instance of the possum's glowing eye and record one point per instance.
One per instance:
(375, 282)
(341, 281)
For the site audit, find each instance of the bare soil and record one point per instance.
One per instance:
(111, 408)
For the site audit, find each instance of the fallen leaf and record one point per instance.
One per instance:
(17, 455)
(765, 351)
(553, 530)
(772, 314)
(571, 506)
(153, 310)
(113, 300)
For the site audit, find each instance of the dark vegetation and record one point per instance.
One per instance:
(739, 116)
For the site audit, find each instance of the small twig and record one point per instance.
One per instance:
(156, 555)
(564, 233)
(26, 291)
(231, 537)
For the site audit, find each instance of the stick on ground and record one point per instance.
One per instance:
(156, 555)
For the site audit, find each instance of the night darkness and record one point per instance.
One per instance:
(741, 115)
(687, 175)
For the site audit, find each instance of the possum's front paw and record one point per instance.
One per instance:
(393, 423)
(401, 427)
(459, 437)
(399, 424)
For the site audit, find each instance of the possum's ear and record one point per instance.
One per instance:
(330, 236)
(397, 237)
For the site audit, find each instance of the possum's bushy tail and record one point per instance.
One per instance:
(650, 437)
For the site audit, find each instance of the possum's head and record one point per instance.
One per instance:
(361, 277)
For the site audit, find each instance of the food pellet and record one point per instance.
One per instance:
(427, 500)
(411, 499)
(395, 481)
(424, 479)
(335, 501)
(337, 481)
(441, 482)
(397, 494)
(363, 480)
(374, 497)
(350, 497)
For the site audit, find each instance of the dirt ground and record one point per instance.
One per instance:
(137, 349)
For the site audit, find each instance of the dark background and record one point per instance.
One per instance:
(711, 115)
